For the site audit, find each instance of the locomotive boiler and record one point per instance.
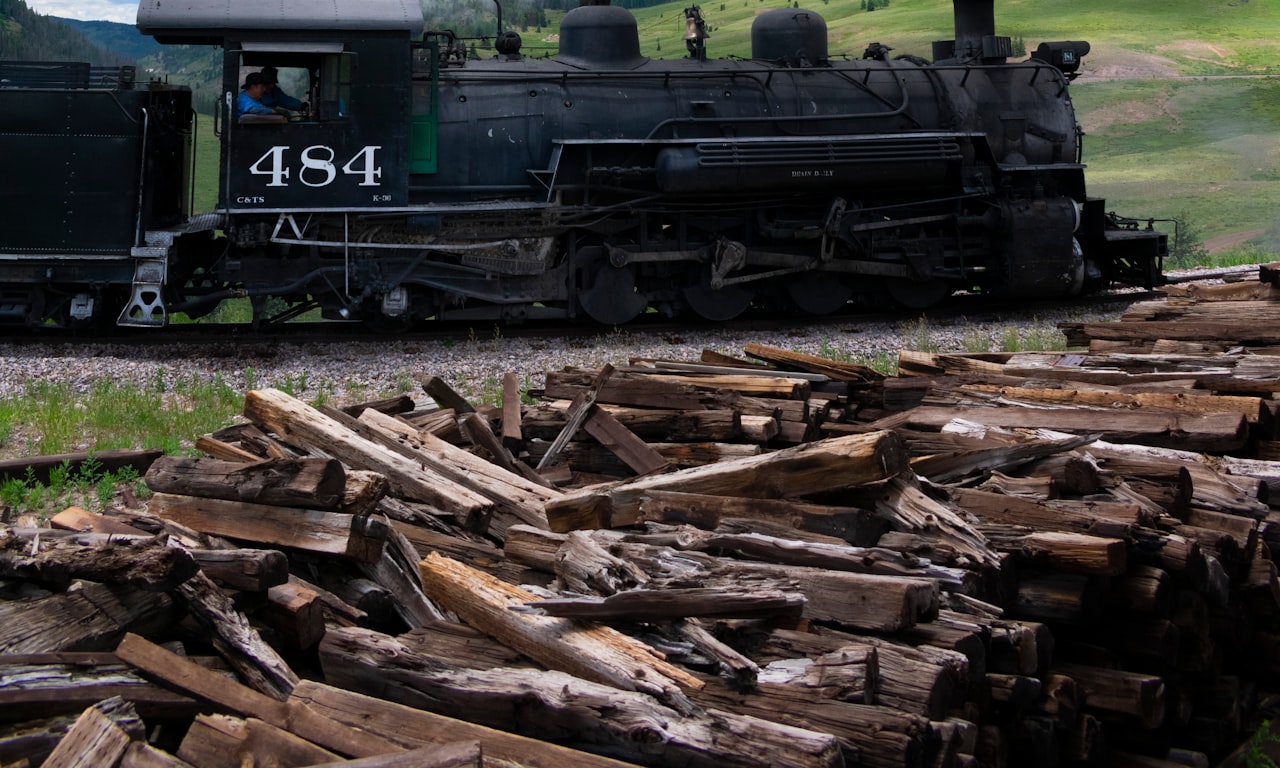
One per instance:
(426, 182)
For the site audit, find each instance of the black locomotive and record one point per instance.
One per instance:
(426, 182)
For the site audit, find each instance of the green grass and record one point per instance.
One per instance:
(1197, 36)
(1162, 148)
(205, 194)
(87, 486)
(167, 414)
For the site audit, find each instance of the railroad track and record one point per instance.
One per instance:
(243, 335)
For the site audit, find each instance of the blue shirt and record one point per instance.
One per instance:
(247, 105)
(278, 98)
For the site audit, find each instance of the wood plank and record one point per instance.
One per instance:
(623, 443)
(443, 394)
(99, 738)
(182, 674)
(667, 604)
(91, 618)
(840, 371)
(579, 411)
(218, 449)
(791, 472)
(512, 413)
(548, 704)
(296, 613)
(142, 755)
(863, 601)
(49, 684)
(860, 527)
(177, 672)
(410, 728)
(311, 530)
(310, 482)
(546, 420)
(456, 754)
(83, 521)
(463, 467)
(146, 563)
(1219, 432)
(231, 633)
(391, 405)
(302, 424)
(595, 653)
(38, 468)
(254, 570)
(219, 741)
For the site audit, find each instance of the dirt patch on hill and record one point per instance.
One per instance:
(1121, 64)
(1197, 50)
(1227, 242)
(1126, 113)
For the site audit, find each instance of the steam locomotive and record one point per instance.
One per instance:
(429, 182)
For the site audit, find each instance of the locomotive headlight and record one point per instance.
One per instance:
(1064, 56)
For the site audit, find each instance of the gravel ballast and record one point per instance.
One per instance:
(349, 372)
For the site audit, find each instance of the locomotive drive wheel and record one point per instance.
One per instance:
(716, 305)
(611, 298)
(914, 294)
(819, 293)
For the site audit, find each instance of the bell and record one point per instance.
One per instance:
(693, 30)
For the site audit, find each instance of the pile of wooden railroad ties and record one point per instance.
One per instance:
(1015, 559)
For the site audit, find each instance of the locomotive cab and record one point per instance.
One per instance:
(348, 62)
(348, 150)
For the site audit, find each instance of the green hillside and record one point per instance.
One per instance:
(27, 35)
(1197, 37)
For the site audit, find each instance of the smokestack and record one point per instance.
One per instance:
(975, 21)
(976, 38)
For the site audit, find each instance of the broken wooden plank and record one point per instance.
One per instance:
(254, 570)
(47, 684)
(793, 472)
(312, 530)
(77, 519)
(1168, 429)
(518, 497)
(147, 564)
(813, 364)
(38, 468)
(100, 736)
(595, 653)
(623, 443)
(93, 617)
(579, 411)
(310, 482)
(299, 422)
(551, 703)
(315, 706)
(674, 603)
(442, 393)
(230, 632)
(222, 741)
(546, 420)
(456, 754)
